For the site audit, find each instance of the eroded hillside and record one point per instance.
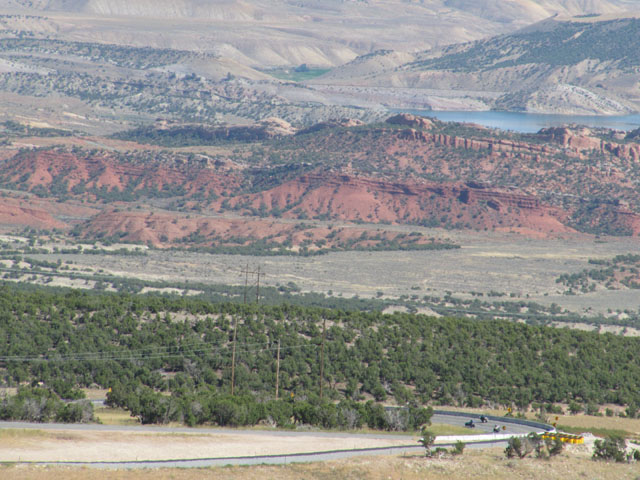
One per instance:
(286, 190)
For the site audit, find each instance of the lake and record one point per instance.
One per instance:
(532, 122)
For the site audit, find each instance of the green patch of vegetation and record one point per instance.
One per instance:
(169, 359)
(614, 448)
(298, 74)
(112, 54)
(34, 404)
(600, 217)
(622, 271)
(188, 135)
(568, 43)
(16, 129)
(533, 444)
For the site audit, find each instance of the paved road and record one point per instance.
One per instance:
(410, 447)
(460, 420)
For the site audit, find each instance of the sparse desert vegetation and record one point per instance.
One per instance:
(215, 215)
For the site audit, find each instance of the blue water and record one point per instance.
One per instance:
(532, 122)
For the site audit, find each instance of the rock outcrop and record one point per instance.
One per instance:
(409, 120)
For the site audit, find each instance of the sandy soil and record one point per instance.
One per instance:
(115, 446)
(476, 465)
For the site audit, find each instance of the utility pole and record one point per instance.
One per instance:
(278, 370)
(235, 332)
(258, 286)
(246, 281)
(324, 329)
(233, 354)
(235, 320)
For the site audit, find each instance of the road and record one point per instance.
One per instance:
(481, 435)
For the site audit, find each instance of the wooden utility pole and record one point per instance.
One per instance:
(233, 354)
(278, 370)
(324, 329)
(246, 281)
(235, 321)
(258, 286)
(235, 332)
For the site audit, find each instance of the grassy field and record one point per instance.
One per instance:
(15, 437)
(477, 465)
(294, 76)
(486, 263)
(114, 416)
(600, 426)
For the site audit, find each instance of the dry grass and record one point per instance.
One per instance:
(476, 465)
(90, 446)
(19, 437)
(31, 438)
(439, 429)
(596, 424)
(114, 416)
(95, 393)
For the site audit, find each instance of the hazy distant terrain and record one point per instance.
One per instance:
(285, 32)
(578, 65)
(97, 65)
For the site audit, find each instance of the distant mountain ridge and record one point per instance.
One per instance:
(358, 26)
(552, 42)
(578, 65)
(501, 11)
(234, 59)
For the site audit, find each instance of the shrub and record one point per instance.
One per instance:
(592, 409)
(544, 447)
(427, 439)
(516, 447)
(611, 448)
(632, 410)
(35, 404)
(458, 448)
(574, 407)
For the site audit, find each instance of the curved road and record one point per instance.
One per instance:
(486, 439)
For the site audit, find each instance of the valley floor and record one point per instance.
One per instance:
(499, 266)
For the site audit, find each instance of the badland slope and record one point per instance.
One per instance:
(287, 188)
(285, 32)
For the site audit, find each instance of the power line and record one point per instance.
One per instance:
(324, 330)
(278, 370)
(235, 320)
(139, 355)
